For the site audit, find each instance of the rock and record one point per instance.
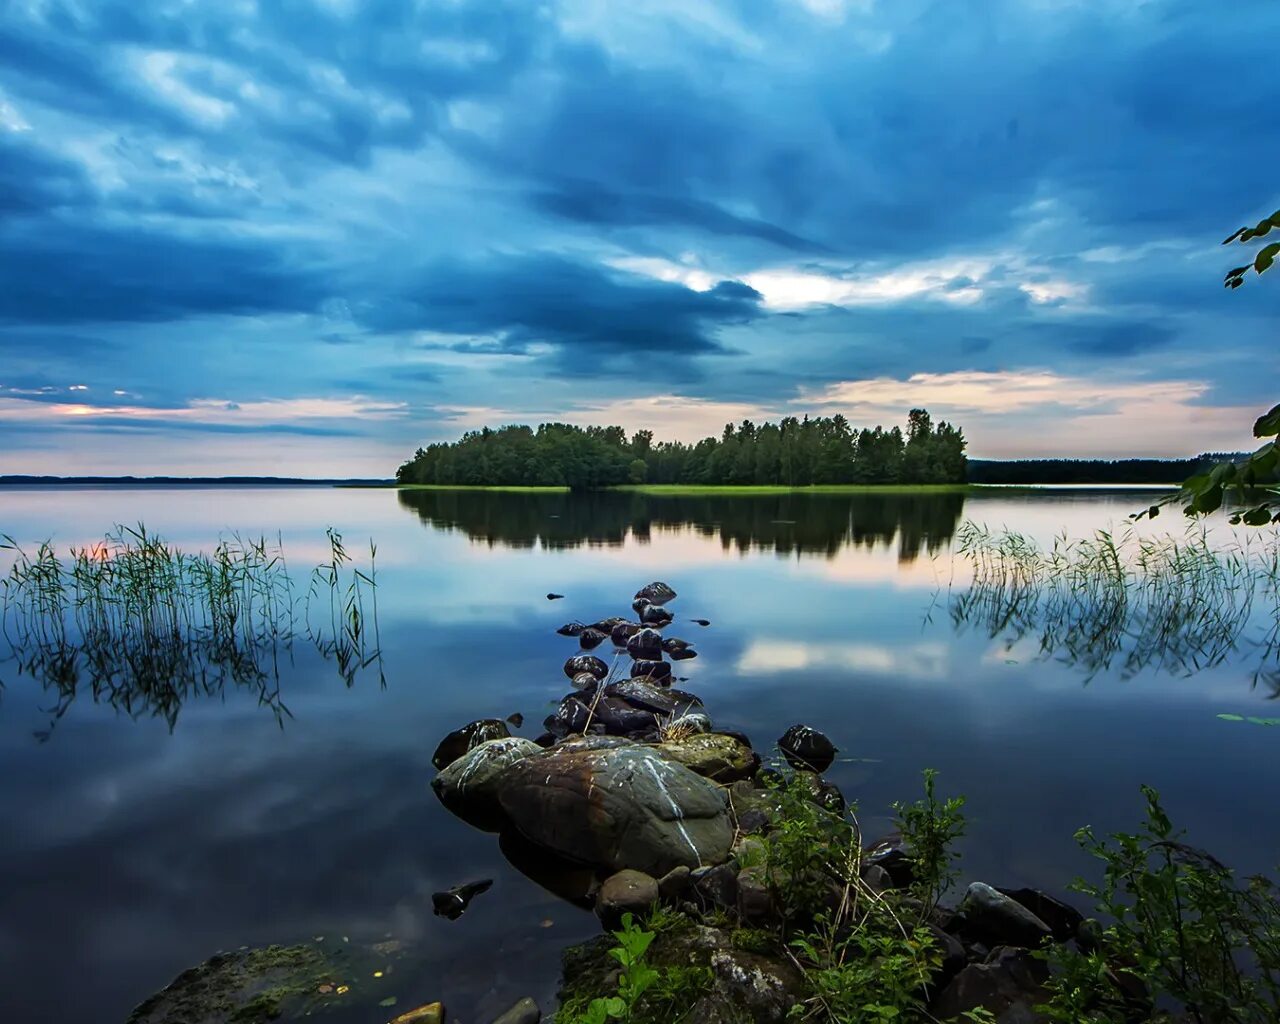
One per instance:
(714, 756)
(893, 853)
(825, 794)
(471, 782)
(644, 695)
(453, 902)
(656, 593)
(571, 629)
(655, 615)
(623, 632)
(620, 718)
(1009, 985)
(701, 622)
(646, 645)
(690, 724)
(517, 719)
(807, 748)
(620, 807)
(749, 987)
(568, 880)
(651, 670)
(585, 663)
(674, 643)
(1063, 920)
(626, 892)
(877, 878)
(674, 884)
(953, 956)
(545, 740)
(431, 1013)
(471, 735)
(555, 597)
(993, 918)
(584, 681)
(755, 901)
(524, 1012)
(590, 639)
(571, 717)
(716, 887)
(683, 654)
(606, 626)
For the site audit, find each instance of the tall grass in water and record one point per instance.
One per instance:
(1127, 602)
(145, 625)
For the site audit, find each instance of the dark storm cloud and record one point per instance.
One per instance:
(584, 312)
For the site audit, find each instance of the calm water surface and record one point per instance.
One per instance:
(131, 850)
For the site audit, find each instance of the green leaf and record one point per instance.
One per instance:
(1266, 257)
(1268, 424)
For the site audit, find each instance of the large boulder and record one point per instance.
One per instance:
(714, 756)
(991, 917)
(1062, 918)
(1009, 985)
(471, 735)
(618, 807)
(471, 782)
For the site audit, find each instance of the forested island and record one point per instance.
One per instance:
(791, 453)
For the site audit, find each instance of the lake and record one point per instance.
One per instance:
(137, 845)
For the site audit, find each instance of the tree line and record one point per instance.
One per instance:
(793, 452)
(1090, 471)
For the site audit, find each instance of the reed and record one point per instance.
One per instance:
(145, 626)
(1177, 604)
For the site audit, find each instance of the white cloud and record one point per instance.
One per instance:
(766, 656)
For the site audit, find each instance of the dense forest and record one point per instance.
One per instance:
(1091, 471)
(793, 453)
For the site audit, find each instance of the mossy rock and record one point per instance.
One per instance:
(255, 986)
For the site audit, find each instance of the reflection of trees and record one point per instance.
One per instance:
(786, 523)
(1126, 603)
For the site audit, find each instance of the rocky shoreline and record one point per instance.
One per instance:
(635, 804)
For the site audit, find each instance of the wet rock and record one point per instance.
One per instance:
(714, 756)
(825, 794)
(671, 644)
(692, 724)
(584, 681)
(716, 887)
(701, 622)
(1064, 921)
(646, 645)
(453, 902)
(992, 917)
(655, 615)
(571, 629)
(805, 747)
(674, 884)
(429, 1013)
(526, 1011)
(623, 632)
(545, 740)
(755, 900)
(606, 626)
(656, 593)
(657, 699)
(656, 670)
(517, 719)
(1010, 984)
(555, 597)
(589, 639)
(683, 654)
(620, 718)
(572, 716)
(585, 663)
(621, 807)
(626, 892)
(893, 853)
(470, 735)
(470, 783)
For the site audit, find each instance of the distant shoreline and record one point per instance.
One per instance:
(16, 480)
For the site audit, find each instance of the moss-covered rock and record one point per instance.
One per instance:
(714, 756)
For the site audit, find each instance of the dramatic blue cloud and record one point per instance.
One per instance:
(263, 223)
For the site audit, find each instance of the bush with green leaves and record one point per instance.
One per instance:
(1183, 932)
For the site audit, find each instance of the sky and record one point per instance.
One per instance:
(304, 237)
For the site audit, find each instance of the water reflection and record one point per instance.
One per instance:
(822, 524)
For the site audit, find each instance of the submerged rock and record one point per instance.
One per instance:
(618, 807)
(427, 1013)
(701, 622)
(470, 735)
(805, 747)
(585, 663)
(526, 1011)
(655, 593)
(453, 902)
(714, 756)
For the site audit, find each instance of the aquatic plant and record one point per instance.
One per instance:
(145, 625)
(1176, 604)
